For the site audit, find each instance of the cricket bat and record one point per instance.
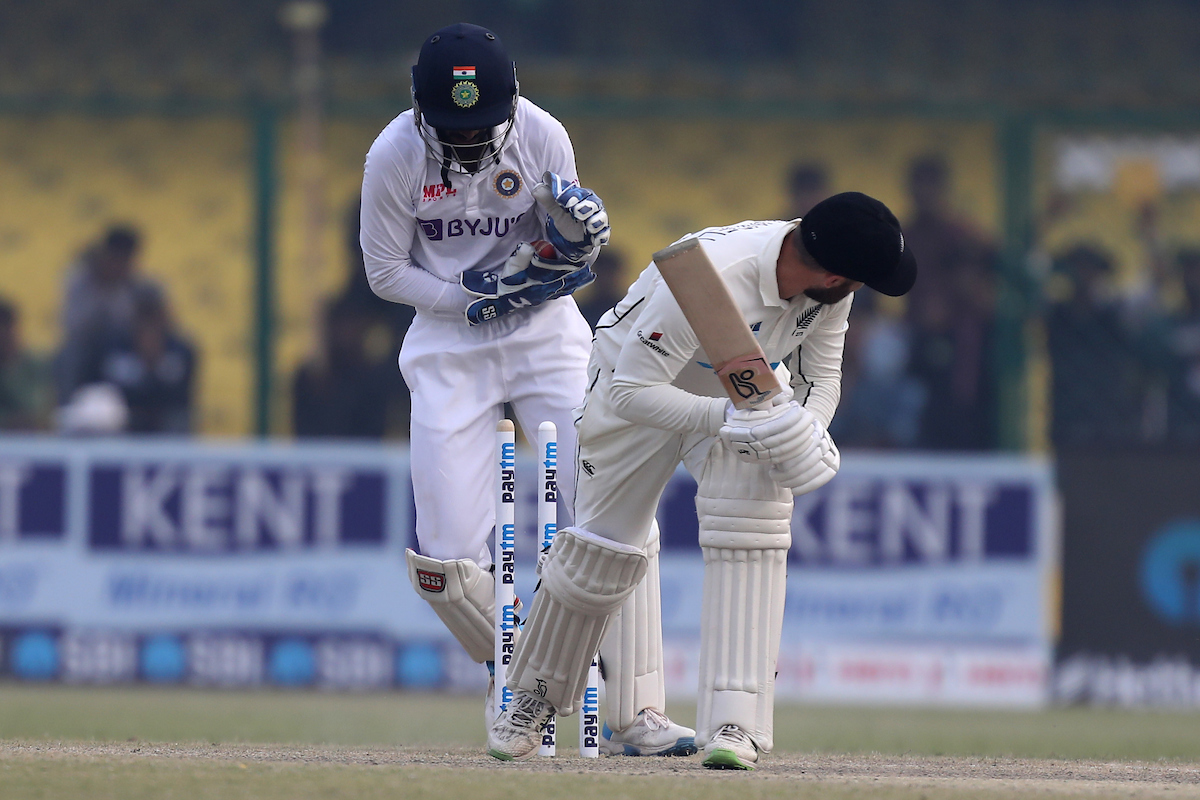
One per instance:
(719, 325)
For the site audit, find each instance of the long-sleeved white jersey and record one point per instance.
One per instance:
(661, 376)
(419, 235)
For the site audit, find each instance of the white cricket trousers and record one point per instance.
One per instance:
(744, 534)
(460, 377)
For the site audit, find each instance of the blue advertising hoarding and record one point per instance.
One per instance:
(283, 564)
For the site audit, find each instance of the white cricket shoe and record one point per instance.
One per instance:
(730, 748)
(651, 734)
(517, 732)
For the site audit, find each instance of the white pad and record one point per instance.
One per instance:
(462, 595)
(631, 655)
(745, 533)
(584, 581)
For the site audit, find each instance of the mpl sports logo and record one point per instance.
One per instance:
(431, 581)
(436, 191)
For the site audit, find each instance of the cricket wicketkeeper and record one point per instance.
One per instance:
(653, 401)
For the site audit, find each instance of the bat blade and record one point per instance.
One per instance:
(719, 325)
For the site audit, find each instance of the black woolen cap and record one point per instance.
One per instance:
(485, 100)
(857, 237)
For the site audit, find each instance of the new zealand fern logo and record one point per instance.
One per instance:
(805, 319)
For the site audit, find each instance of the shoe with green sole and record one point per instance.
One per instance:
(730, 748)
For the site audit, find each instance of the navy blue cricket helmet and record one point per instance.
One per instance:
(464, 81)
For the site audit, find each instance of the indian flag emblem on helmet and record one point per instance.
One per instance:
(465, 94)
(464, 73)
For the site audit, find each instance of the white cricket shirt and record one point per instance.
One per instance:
(418, 236)
(661, 375)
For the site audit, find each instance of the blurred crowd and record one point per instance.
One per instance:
(123, 365)
(918, 372)
(1123, 356)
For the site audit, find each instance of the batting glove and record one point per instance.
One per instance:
(811, 470)
(773, 435)
(576, 222)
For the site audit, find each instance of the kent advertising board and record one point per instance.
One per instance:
(910, 579)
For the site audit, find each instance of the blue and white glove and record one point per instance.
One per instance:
(576, 222)
(528, 287)
(531, 262)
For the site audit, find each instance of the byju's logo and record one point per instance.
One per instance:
(1170, 573)
(432, 228)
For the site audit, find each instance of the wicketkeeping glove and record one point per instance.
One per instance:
(529, 295)
(531, 263)
(576, 222)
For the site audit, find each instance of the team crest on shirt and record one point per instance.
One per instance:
(805, 319)
(465, 94)
(507, 184)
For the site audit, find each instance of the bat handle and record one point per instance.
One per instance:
(749, 381)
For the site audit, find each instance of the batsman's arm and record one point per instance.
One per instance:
(817, 371)
(655, 350)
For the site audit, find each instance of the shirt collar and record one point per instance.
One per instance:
(768, 259)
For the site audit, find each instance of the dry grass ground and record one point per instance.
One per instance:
(131, 743)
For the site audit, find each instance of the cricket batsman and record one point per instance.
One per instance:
(653, 401)
(472, 214)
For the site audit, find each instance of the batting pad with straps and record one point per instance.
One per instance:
(745, 533)
(584, 581)
(462, 595)
(631, 655)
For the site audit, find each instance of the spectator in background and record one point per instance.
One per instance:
(342, 392)
(1183, 340)
(154, 368)
(808, 184)
(103, 293)
(25, 392)
(1099, 375)
(391, 320)
(881, 401)
(608, 288)
(951, 313)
